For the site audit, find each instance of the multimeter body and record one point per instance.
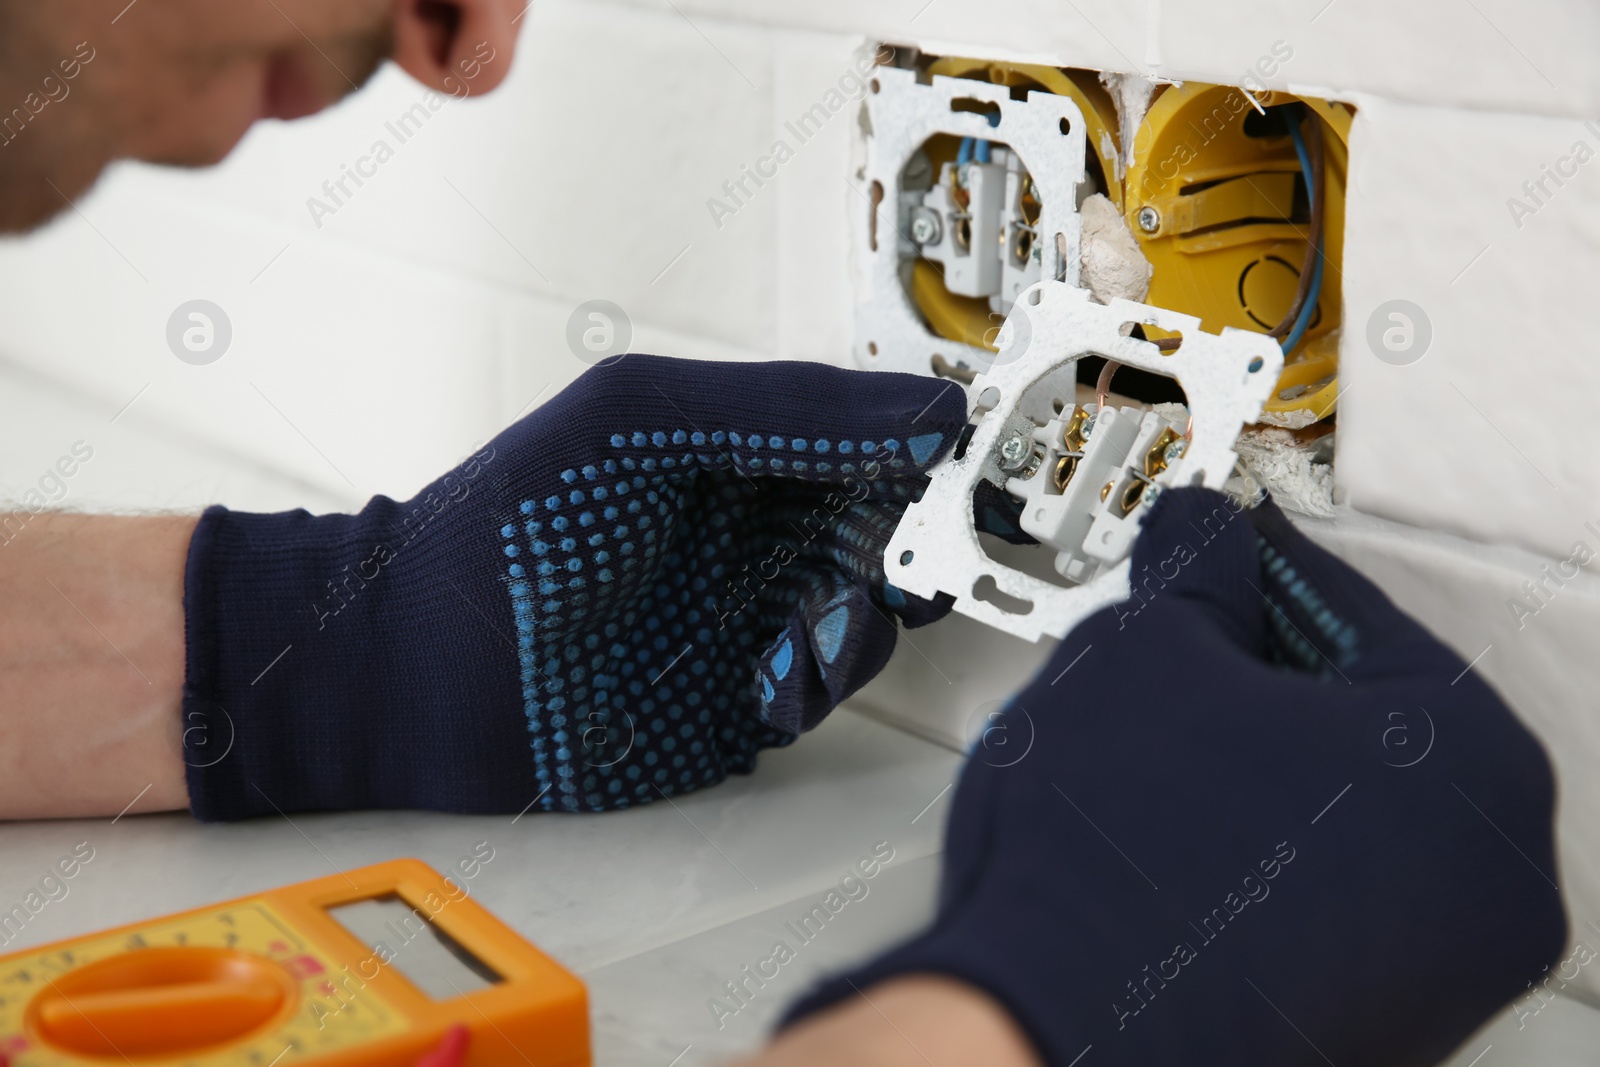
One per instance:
(283, 977)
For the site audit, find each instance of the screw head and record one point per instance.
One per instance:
(1174, 451)
(1149, 219)
(1015, 452)
(1086, 431)
(924, 230)
(1151, 491)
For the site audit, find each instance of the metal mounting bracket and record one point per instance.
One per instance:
(1226, 378)
(1045, 131)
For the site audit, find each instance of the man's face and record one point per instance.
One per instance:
(86, 82)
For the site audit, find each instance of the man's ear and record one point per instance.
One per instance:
(457, 46)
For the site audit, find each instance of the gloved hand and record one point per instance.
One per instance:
(1264, 819)
(625, 595)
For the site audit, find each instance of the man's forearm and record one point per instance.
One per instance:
(91, 665)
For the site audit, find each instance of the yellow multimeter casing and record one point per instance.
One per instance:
(282, 977)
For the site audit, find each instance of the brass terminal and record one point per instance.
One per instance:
(1029, 205)
(1162, 453)
(1072, 436)
(1022, 246)
(1132, 495)
(1105, 490)
(1066, 467)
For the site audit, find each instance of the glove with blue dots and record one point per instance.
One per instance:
(624, 596)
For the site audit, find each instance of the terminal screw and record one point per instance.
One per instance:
(1149, 219)
(1151, 491)
(1015, 453)
(1175, 450)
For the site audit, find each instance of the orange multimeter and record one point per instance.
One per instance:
(371, 967)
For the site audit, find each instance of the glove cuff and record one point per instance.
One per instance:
(331, 666)
(271, 662)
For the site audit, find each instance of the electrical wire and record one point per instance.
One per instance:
(1297, 319)
(974, 148)
(1309, 289)
(1304, 320)
(1102, 385)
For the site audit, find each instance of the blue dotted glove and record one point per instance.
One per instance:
(627, 594)
(1253, 815)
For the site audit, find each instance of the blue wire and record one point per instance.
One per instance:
(964, 156)
(1303, 320)
(983, 146)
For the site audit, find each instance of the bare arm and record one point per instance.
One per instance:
(905, 1022)
(91, 665)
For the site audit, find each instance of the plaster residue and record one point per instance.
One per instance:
(1293, 419)
(1296, 474)
(1132, 94)
(1113, 264)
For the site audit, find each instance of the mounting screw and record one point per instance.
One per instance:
(924, 229)
(1149, 219)
(1015, 453)
(1175, 450)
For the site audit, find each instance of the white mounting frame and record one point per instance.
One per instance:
(903, 114)
(1226, 378)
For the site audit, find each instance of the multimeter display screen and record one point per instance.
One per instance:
(402, 937)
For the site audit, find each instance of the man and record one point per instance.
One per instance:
(690, 558)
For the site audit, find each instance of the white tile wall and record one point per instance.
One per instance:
(1101, 34)
(1489, 55)
(376, 379)
(1482, 434)
(138, 463)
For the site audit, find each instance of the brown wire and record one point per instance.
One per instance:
(1316, 192)
(1302, 290)
(1103, 385)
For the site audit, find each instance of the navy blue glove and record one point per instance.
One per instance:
(627, 594)
(1264, 819)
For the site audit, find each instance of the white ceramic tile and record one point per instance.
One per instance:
(815, 200)
(344, 368)
(1100, 34)
(538, 360)
(135, 465)
(1494, 55)
(584, 176)
(1480, 436)
(945, 679)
